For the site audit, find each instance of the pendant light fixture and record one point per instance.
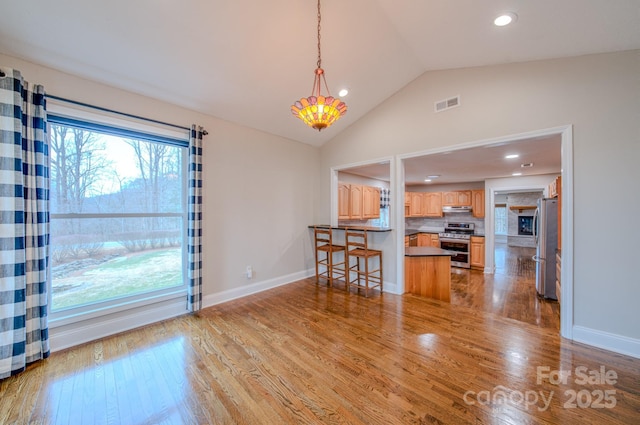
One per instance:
(319, 111)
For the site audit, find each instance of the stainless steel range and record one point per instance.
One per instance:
(456, 238)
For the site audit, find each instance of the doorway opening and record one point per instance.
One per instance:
(482, 158)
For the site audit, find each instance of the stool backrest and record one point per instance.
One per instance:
(356, 239)
(322, 236)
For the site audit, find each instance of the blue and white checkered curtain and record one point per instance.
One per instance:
(24, 228)
(385, 196)
(194, 294)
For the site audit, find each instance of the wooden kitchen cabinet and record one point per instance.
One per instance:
(407, 204)
(370, 202)
(558, 277)
(555, 191)
(477, 203)
(358, 202)
(429, 239)
(432, 204)
(424, 239)
(477, 252)
(415, 205)
(457, 198)
(344, 207)
(423, 204)
(554, 187)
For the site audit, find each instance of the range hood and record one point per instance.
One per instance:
(451, 209)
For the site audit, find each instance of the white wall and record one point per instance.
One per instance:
(599, 95)
(356, 179)
(259, 190)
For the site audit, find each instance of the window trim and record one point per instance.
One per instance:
(506, 219)
(120, 305)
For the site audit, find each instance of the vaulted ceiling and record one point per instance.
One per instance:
(247, 61)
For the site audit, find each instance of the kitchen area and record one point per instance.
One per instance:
(453, 220)
(478, 206)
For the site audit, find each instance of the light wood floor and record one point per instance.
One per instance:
(305, 354)
(510, 292)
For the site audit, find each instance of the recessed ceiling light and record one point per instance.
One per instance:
(516, 174)
(343, 92)
(505, 19)
(435, 176)
(511, 156)
(427, 180)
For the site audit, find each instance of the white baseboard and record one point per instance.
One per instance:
(391, 288)
(235, 293)
(80, 332)
(608, 341)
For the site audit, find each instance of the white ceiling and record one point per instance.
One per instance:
(247, 61)
(476, 164)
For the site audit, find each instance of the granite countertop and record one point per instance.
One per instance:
(426, 251)
(409, 232)
(339, 227)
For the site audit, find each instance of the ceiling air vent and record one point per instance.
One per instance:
(445, 104)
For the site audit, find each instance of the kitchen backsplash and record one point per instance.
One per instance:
(438, 224)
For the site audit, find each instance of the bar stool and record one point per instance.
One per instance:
(332, 268)
(358, 248)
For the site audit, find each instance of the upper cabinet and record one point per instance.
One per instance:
(429, 204)
(355, 198)
(415, 204)
(458, 198)
(477, 203)
(344, 203)
(358, 202)
(370, 202)
(555, 187)
(423, 204)
(555, 191)
(432, 204)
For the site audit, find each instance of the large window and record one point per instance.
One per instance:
(501, 219)
(118, 214)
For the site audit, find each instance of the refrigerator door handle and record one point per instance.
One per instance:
(535, 226)
(537, 259)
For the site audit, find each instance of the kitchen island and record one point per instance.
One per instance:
(427, 272)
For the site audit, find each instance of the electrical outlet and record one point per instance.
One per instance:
(249, 272)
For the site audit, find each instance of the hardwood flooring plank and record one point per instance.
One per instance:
(305, 353)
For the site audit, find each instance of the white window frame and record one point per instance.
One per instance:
(506, 216)
(147, 307)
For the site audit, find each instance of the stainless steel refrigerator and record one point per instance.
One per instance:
(545, 230)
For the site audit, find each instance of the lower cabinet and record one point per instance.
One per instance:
(429, 239)
(477, 252)
(558, 274)
(424, 239)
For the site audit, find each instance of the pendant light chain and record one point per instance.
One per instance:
(319, 111)
(319, 19)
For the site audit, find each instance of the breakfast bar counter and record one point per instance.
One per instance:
(427, 272)
(361, 228)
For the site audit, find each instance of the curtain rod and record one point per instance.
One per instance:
(100, 108)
